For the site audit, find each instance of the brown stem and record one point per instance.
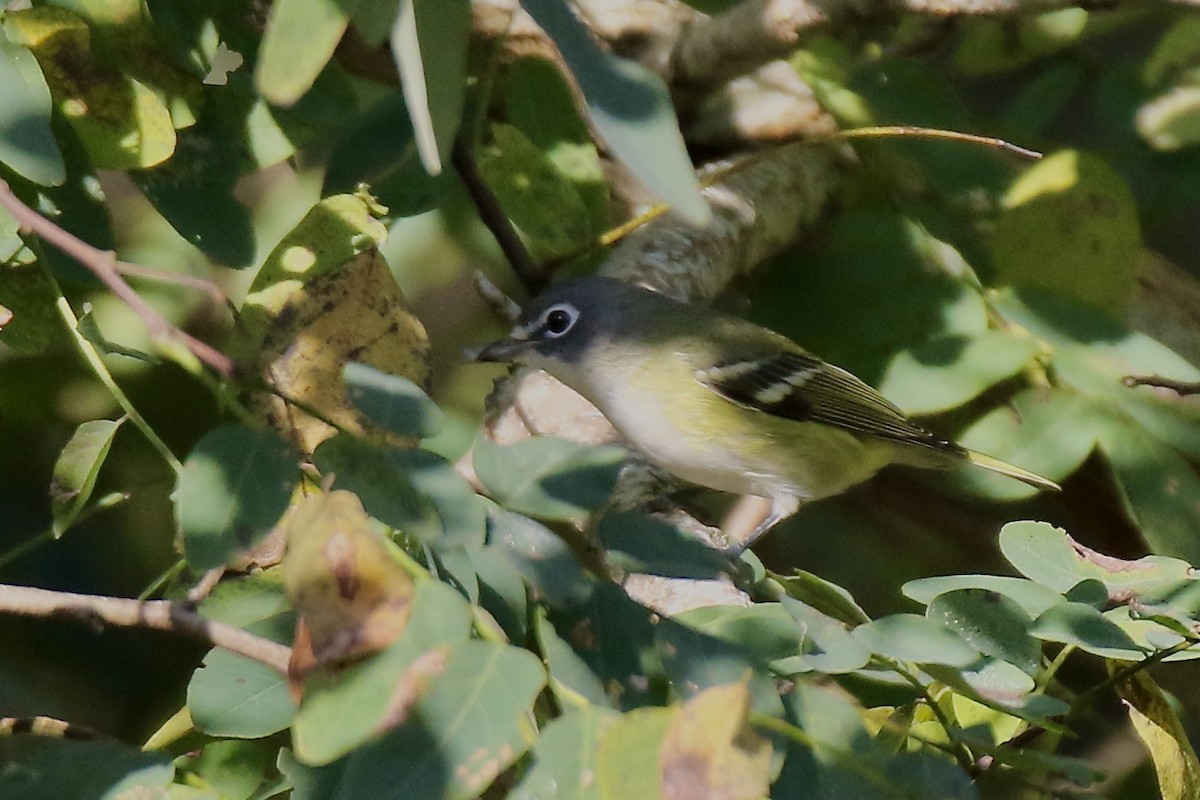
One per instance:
(1182, 388)
(532, 277)
(103, 265)
(159, 615)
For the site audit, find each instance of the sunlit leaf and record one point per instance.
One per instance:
(1163, 734)
(233, 696)
(908, 637)
(1070, 225)
(27, 145)
(1044, 553)
(537, 197)
(122, 123)
(991, 623)
(1084, 626)
(233, 768)
(547, 477)
(77, 468)
(299, 40)
(630, 108)
(947, 373)
(429, 43)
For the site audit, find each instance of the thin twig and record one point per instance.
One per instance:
(100, 369)
(1182, 388)
(500, 303)
(532, 277)
(214, 292)
(159, 615)
(103, 265)
(916, 132)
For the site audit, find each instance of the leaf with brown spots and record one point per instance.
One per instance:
(325, 298)
(341, 575)
(710, 753)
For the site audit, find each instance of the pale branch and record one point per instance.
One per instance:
(104, 266)
(161, 615)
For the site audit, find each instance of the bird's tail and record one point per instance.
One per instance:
(1004, 468)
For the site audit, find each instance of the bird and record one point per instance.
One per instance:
(719, 401)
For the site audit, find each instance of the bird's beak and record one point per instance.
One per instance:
(501, 351)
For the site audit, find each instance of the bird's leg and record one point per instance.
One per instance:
(781, 509)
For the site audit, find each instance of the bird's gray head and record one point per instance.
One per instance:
(560, 324)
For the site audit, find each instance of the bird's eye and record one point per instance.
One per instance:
(558, 320)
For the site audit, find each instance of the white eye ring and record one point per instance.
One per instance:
(558, 320)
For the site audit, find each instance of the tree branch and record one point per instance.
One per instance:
(103, 265)
(159, 615)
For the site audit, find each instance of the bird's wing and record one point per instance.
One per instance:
(798, 386)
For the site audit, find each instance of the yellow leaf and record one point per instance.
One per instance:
(343, 578)
(1163, 734)
(711, 753)
(326, 297)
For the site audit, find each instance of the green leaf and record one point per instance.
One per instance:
(538, 100)
(1071, 225)
(822, 595)
(234, 769)
(1048, 432)
(235, 697)
(544, 560)
(413, 491)
(377, 148)
(627, 764)
(840, 301)
(501, 590)
(534, 195)
(247, 599)
(1177, 49)
(991, 623)
(1033, 598)
(1159, 488)
(27, 145)
(235, 485)
(1160, 730)
(194, 190)
(765, 630)
(76, 470)
(630, 108)
(907, 637)
(393, 401)
(639, 543)
(547, 477)
(695, 660)
(122, 122)
(949, 372)
(565, 757)
(429, 43)
(1085, 627)
(1171, 121)
(470, 724)
(45, 767)
(571, 679)
(369, 698)
(828, 646)
(299, 40)
(1043, 553)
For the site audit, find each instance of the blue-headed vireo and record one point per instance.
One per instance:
(719, 401)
